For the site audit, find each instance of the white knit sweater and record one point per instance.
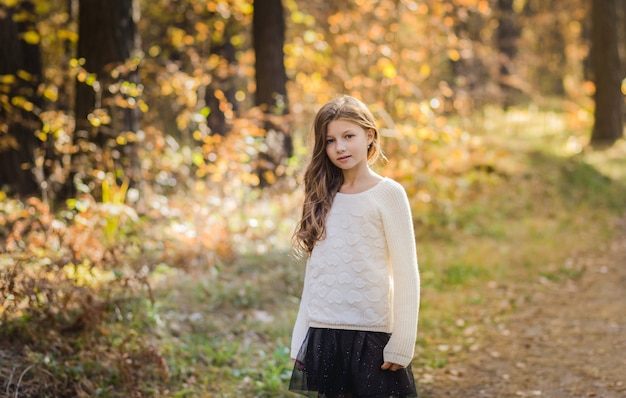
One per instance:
(364, 274)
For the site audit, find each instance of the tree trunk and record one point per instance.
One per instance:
(223, 81)
(507, 36)
(108, 41)
(271, 83)
(621, 36)
(607, 72)
(269, 39)
(20, 68)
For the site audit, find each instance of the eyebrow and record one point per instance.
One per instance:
(349, 130)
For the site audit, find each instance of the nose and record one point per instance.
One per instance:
(340, 146)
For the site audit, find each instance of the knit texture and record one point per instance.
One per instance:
(364, 274)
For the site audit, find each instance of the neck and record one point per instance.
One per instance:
(355, 177)
(358, 181)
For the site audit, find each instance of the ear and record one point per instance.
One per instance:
(370, 136)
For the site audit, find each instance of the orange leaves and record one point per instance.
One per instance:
(436, 162)
(484, 8)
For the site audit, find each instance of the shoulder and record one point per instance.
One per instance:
(389, 187)
(391, 197)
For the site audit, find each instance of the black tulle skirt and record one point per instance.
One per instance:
(335, 363)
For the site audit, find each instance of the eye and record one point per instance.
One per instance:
(330, 140)
(349, 135)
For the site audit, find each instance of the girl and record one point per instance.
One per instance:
(355, 331)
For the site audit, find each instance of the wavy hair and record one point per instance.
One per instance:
(322, 179)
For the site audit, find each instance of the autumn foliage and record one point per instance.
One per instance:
(214, 182)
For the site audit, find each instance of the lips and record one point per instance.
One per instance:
(343, 158)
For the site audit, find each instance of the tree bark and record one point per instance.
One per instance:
(108, 40)
(507, 36)
(269, 39)
(609, 122)
(20, 66)
(271, 82)
(223, 80)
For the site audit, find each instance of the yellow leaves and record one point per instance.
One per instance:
(113, 193)
(202, 31)
(270, 177)
(31, 37)
(64, 34)
(89, 79)
(310, 36)
(85, 274)
(238, 40)
(99, 117)
(454, 54)
(24, 75)
(21, 102)
(386, 67)
(427, 134)
(197, 159)
(77, 62)
(154, 51)
(245, 7)
(178, 37)
(301, 18)
(51, 93)
(7, 79)
(127, 137)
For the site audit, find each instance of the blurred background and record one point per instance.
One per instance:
(151, 162)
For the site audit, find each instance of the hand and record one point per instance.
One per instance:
(298, 365)
(391, 366)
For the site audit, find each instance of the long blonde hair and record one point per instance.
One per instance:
(322, 179)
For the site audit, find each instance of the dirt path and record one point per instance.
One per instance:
(567, 341)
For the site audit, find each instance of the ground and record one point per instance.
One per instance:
(566, 339)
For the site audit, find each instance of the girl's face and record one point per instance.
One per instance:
(346, 144)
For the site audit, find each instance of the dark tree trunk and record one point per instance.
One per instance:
(20, 64)
(271, 82)
(223, 80)
(269, 39)
(507, 36)
(609, 122)
(108, 41)
(621, 36)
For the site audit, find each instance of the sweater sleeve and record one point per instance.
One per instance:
(301, 325)
(400, 237)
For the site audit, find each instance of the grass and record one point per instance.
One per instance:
(231, 328)
(224, 330)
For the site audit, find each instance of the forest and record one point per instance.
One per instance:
(151, 171)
